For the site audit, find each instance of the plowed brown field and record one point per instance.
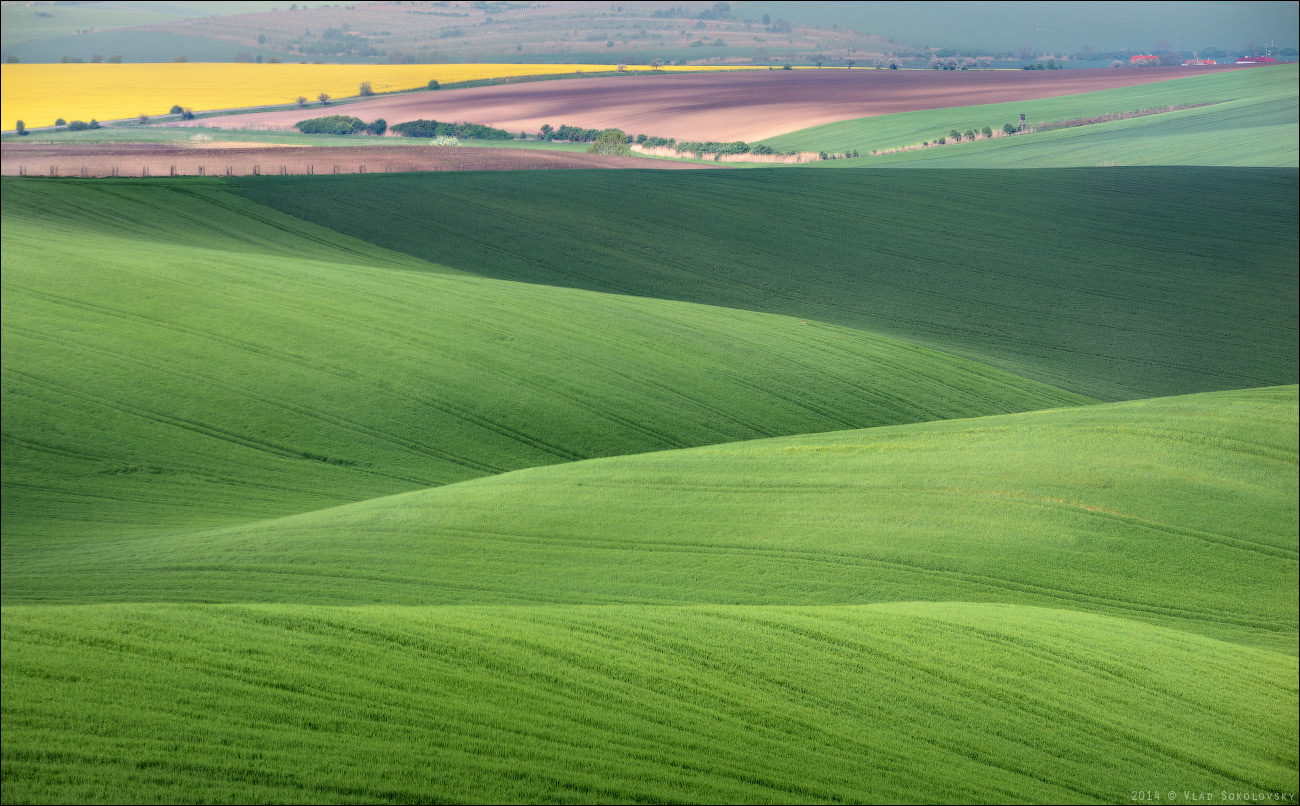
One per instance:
(720, 106)
(34, 159)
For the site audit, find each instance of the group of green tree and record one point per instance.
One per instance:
(96, 59)
(957, 136)
(462, 131)
(577, 134)
(341, 124)
(425, 129)
(570, 134)
(75, 126)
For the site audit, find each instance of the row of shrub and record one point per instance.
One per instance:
(574, 134)
(341, 124)
(972, 134)
(74, 126)
(569, 134)
(433, 128)
(711, 147)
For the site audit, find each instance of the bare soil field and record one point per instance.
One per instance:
(719, 106)
(35, 159)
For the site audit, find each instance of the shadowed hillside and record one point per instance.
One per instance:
(1112, 284)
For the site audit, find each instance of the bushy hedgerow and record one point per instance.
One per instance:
(331, 124)
(432, 128)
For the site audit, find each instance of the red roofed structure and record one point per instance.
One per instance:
(1257, 60)
(1141, 57)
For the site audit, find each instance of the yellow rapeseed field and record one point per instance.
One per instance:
(39, 94)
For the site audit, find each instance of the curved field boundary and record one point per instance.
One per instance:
(1088, 508)
(1113, 284)
(227, 362)
(913, 127)
(78, 160)
(746, 105)
(38, 94)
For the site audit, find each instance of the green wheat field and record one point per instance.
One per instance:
(940, 483)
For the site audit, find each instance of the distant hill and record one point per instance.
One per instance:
(677, 32)
(47, 32)
(1045, 27)
(690, 31)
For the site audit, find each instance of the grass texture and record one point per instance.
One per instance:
(1112, 284)
(1112, 509)
(900, 703)
(174, 353)
(627, 629)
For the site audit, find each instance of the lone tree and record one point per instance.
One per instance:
(610, 141)
(21, 128)
(324, 99)
(365, 89)
(302, 101)
(143, 120)
(175, 110)
(433, 83)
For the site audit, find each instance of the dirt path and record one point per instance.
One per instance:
(721, 106)
(33, 159)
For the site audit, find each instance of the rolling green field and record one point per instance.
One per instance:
(230, 362)
(546, 654)
(634, 486)
(903, 702)
(1255, 132)
(1111, 284)
(1089, 508)
(1252, 121)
